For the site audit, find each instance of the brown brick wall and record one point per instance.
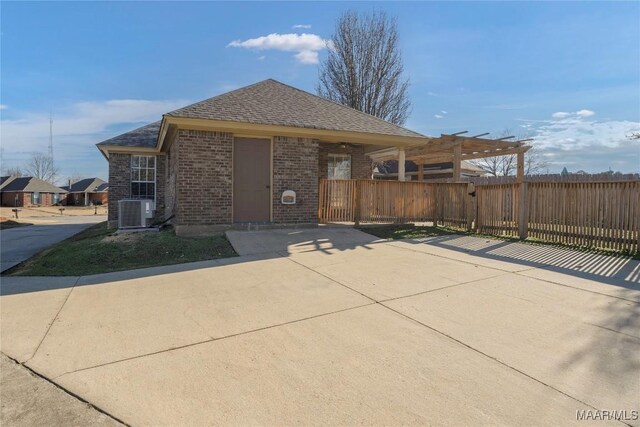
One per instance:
(9, 199)
(161, 185)
(295, 167)
(171, 173)
(24, 199)
(360, 164)
(204, 177)
(119, 183)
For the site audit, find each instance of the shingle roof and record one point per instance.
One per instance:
(87, 184)
(274, 103)
(29, 184)
(145, 136)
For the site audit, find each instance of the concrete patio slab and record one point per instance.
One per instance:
(28, 307)
(466, 249)
(381, 271)
(622, 282)
(123, 319)
(297, 240)
(28, 400)
(582, 343)
(382, 369)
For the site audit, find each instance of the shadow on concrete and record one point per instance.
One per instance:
(256, 246)
(253, 246)
(615, 270)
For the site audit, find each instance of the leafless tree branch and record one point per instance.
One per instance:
(364, 68)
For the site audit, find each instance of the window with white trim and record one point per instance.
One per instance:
(35, 198)
(143, 177)
(339, 166)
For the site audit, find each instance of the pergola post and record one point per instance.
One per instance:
(520, 167)
(523, 215)
(421, 171)
(457, 159)
(401, 161)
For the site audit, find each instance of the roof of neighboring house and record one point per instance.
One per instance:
(391, 167)
(28, 184)
(145, 136)
(274, 103)
(103, 187)
(90, 185)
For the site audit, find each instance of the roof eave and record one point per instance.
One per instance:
(244, 128)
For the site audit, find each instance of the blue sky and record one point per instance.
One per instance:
(566, 73)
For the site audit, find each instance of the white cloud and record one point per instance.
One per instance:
(443, 112)
(3, 106)
(306, 46)
(594, 146)
(301, 26)
(581, 113)
(432, 94)
(585, 113)
(262, 58)
(76, 130)
(438, 116)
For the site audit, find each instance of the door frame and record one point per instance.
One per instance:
(233, 153)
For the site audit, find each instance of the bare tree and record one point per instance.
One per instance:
(41, 166)
(534, 163)
(364, 68)
(13, 171)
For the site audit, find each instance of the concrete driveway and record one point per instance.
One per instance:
(21, 243)
(331, 326)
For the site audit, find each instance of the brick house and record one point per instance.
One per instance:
(27, 191)
(88, 191)
(228, 160)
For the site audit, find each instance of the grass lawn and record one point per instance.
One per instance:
(408, 231)
(9, 223)
(98, 250)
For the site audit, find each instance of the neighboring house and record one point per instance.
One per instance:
(89, 191)
(29, 191)
(389, 170)
(229, 159)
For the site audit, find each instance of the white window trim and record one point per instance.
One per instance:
(155, 174)
(340, 156)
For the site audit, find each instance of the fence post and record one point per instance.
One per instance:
(470, 209)
(436, 193)
(523, 215)
(357, 198)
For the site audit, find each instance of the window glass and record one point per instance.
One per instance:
(339, 166)
(143, 177)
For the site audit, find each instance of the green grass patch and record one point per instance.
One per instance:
(9, 223)
(409, 231)
(98, 250)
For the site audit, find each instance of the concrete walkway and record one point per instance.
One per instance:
(21, 243)
(31, 401)
(329, 329)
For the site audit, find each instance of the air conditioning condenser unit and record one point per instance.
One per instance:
(135, 213)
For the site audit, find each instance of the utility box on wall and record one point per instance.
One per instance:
(288, 197)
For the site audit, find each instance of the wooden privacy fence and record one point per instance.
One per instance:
(594, 214)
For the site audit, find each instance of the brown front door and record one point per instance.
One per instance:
(251, 179)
